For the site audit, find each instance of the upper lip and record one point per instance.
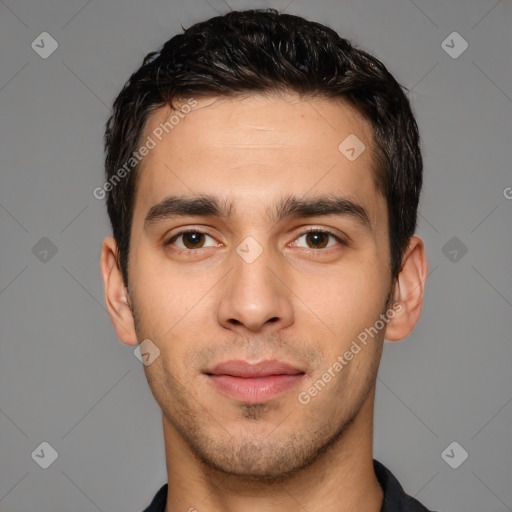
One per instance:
(240, 368)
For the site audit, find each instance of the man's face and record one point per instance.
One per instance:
(253, 285)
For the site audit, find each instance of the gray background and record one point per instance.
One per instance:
(67, 380)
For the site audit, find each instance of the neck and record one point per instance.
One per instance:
(342, 479)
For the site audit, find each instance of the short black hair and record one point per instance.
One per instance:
(264, 51)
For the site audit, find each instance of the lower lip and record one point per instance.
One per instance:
(254, 390)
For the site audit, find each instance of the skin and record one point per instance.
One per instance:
(296, 302)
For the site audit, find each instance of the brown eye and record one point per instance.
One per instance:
(317, 239)
(192, 240)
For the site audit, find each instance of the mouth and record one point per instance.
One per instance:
(254, 383)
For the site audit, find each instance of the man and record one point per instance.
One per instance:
(263, 179)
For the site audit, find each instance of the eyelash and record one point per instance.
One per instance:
(309, 230)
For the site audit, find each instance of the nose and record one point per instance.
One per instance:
(255, 296)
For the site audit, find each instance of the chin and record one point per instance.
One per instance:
(268, 460)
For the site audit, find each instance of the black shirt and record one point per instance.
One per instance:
(395, 499)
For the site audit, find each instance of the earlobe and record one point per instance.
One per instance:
(116, 295)
(409, 291)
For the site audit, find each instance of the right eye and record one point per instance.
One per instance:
(191, 239)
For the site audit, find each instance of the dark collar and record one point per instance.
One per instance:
(395, 499)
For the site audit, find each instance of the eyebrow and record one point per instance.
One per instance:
(290, 207)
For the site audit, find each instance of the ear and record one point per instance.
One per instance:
(116, 295)
(409, 291)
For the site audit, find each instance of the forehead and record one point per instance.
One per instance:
(257, 147)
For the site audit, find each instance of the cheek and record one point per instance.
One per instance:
(165, 294)
(345, 301)
(175, 313)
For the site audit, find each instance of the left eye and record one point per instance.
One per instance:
(192, 240)
(317, 239)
